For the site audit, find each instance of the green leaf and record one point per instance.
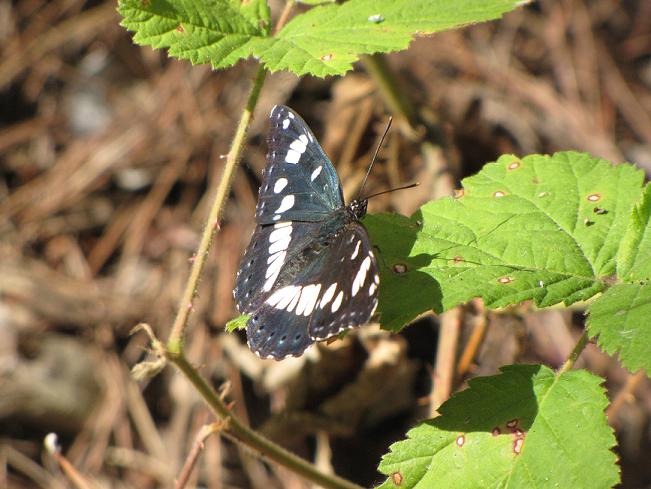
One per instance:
(219, 32)
(620, 319)
(526, 427)
(633, 262)
(237, 323)
(541, 228)
(327, 40)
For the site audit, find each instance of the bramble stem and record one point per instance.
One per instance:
(176, 338)
(238, 432)
(574, 355)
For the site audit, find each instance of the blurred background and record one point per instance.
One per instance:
(107, 151)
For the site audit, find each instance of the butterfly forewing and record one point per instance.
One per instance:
(337, 290)
(299, 181)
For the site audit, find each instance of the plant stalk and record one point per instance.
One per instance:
(574, 355)
(238, 432)
(176, 338)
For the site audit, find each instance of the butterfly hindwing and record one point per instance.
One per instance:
(299, 181)
(347, 299)
(338, 290)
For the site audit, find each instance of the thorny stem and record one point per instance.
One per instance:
(192, 458)
(574, 355)
(176, 338)
(236, 431)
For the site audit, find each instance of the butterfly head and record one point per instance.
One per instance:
(358, 208)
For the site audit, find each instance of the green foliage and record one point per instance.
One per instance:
(620, 317)
(526, 427)
(620, 320)
(238, 323)
(541, 228)
(325, 40)
(219, 32)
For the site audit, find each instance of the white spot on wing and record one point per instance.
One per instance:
(292, 156)
(280, 184)
(285, 123)
(291, 116)
(280, 245)
(279, 240)
(361, 275)
(308, 299)
(316, 172)
(352, 257)
(337, 303)
(274, 268)
(298, 145)
(286, 204)
(282, 297)
(280, 233)
(327, 295)
(303, 138)
(371, 289)
(292, 304)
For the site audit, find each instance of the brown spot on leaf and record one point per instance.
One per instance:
(498, 193)
(496, 431)
(399, 268)
(396, 477)
(457, 259)
(180, 29)
(517, 446)
(512, 424)
(461, 439)
(514, 165)
(594, 197)
(505, 280)
(327, 57)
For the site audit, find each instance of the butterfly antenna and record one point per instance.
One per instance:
(377, 150)
(411, 185)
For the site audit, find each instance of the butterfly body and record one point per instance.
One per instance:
(309, 271)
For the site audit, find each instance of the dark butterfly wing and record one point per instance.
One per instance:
(299, 182)
(338, 290)
(270, 249)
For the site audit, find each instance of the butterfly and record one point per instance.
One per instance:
(309, 271)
